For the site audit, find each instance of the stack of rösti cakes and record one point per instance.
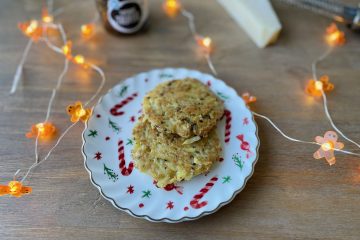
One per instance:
(175, 138)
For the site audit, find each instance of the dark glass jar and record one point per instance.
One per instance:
(123, 16)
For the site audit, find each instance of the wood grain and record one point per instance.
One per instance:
(290, 196)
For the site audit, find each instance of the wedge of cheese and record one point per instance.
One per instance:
(256, 17)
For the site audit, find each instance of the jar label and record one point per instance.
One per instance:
(126, 16)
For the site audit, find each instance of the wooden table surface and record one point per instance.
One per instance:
(290, 195)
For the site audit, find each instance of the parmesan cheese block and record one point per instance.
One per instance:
(256, 17)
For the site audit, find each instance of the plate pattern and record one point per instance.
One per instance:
(107, 144)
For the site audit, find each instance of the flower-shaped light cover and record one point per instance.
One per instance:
(32, 29)
(46, 17)
(334, 37)
(314, 87)
(248, 98)
(45, 131)
(171, 7)
(205, 43)
(87, 30)
(77, 112)
(14, 188)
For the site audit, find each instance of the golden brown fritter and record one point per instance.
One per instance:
(185, 107)
(167, 159)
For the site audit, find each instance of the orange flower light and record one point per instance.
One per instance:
(334, 37)
(77, 112)
(87, 29)
(31, 29)
(171, 7)
(314, 87)
(80, 60)
(45, 131)
(205, 43)
(248, 98)
(67, 49)
(46, 17)
(14, 188)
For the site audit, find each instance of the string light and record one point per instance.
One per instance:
(77, 112)
(31, 29)
(248, 99)
(15, 189)
(172, 7)
(87, 29)
(80, 60)
(334, 37)
(34, 30)
(67, 49)
(328, 144)
(46, 17)
(315, 88)
(205, 43)
(45, 131)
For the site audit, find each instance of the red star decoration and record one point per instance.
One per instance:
(170, 205)
(246, 121)
(98, 156)
(130, 189)
(132, 119)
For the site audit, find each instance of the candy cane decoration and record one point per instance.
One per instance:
(228, 118)
(194, 203)
(115, 110)
(125, 171)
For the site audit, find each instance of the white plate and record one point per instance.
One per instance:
(134, 192)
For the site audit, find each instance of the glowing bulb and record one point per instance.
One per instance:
(15, 187)
(171, 7)
(77, 112)
(41, 128)
(205, 43)
(334, 37)
(44, 130)
(318, 85)
(81, 112)
(32, 27)
(327, 146)
(79, 59)
(87, 29)
(46, 17)
(66, 49)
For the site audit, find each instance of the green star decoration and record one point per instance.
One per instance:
(129, 141)
(123, 90)
(93, 133)
(146, 193)
(226, 179)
